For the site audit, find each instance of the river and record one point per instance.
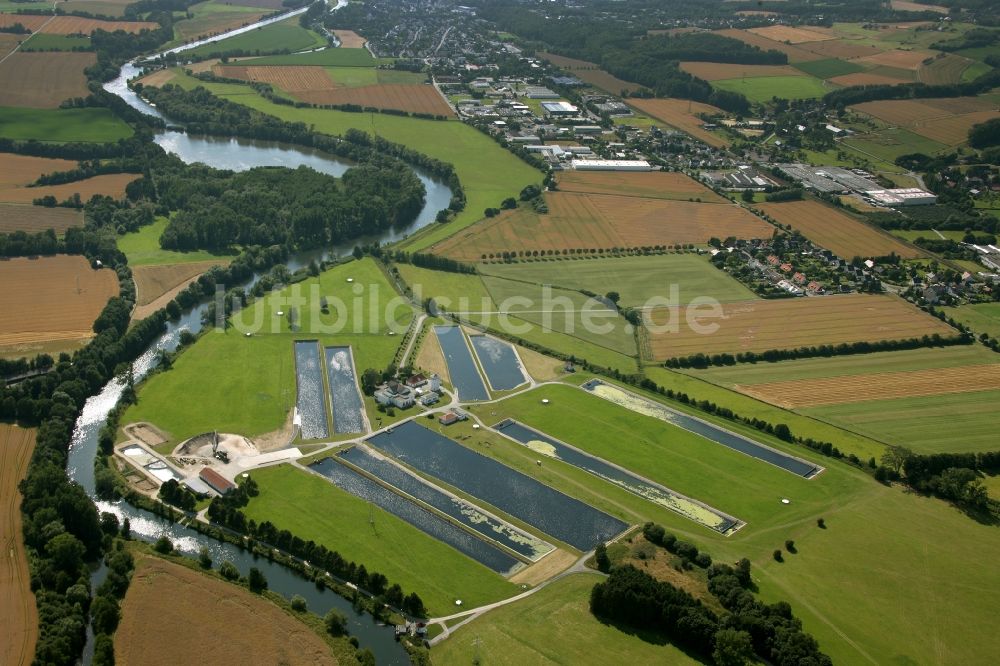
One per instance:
(238, 155)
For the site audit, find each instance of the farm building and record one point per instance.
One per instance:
(216, 481)
(906, 196)
(612, 165)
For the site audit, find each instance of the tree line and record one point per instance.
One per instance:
(954, 477)
(872, 93)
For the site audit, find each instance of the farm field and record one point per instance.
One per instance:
(828, 69)
(488, 173)
(268, 39)
(152, 282)
(290, 78)
(904, 6)
(73, 25)
(888, 144)
(19, 630)
(149, 629)
(45, 42)
(112, 185)
(948, 69)
(142, 248)
(43, 80)
(865, 79)
(350, 39)
(341, 57)
(946, 121)
(898, 58)
(51, 300)
(418, 98)
(795, 53)
(981, 317)
(20, 170)
(648, 184)
(32, 219)
(313, 508)
(682, 115)
(92, 125)
(836, 231)
(763, 88)
(591, 221)
(714, 71)
(211, 18)
(762, 325)
(253, 387)
(792, 35)
(946, 423)
(637, 279)
(591, 73)
(552, 626)
(115, 8)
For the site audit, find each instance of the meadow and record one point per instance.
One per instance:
(46, 42)
(268, 39)
(762, 89)
(19, 630)
(314, 509)
(981, 317)
(889, 143)
(89, 125)
(829, 68)
(142, 248)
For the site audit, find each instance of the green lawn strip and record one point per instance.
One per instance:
(489, 174)
(727, 480)
(46, 42)
(552, 626)
(142, 248)
(339, 57)
(314, 509)
(763, 88)
(980, 317)
(745, 406)
(913, 234)
(88, 125)
(951, 423)
(270, 38)
(636, 279)
(829, 68)
(842, 366)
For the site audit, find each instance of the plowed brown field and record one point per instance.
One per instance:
(714, 71)
(945, 120)
(350, 39)
(898, 58)
(113, 185)
(189, 629)
(841, 234)
(794, 53)
(590, 221)
(681, 114)
(25, 217)
(885, 386)
(405, 97)
(791, 323)
(51, 299)
(19, 629)
(784, 33)
(650, 185)
(18, 170)
(290, 78)
(43, 80)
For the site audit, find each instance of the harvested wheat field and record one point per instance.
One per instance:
(840, 233)
(350, 39)
(152, 282)
(207, 621)
(794, 53)
(646, 184)
(865, 79)
(51, 299)
(845, 49)
(158, 78)
(290, 78)
(944, 70)
(20, 170)
(791, 323)
(19, 629)
(682, 114)
(415, 98)
(30, 21)
(714, 71)
(77, 25)
(799, 393)
(43, 80)
(944, 120)
(903, 6)
(32, 219)
(112, 185)
(898, 58)
(785, 33)
(591, 221)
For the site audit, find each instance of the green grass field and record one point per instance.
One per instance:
(829, 68)
(552, 626)
(268, 39)
(637, 279)
(252, 379)
(981, 317)
(44, 42)
(142, 248)
(913, 234)
(211, 18)
(489, 174)
(888, 144)
(313, 508)
(90, 125)
(763, 88)
(870, 557)
(338, 57)
(843, 366)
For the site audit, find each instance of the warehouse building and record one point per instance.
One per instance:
(906, 196)
(612, 165)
